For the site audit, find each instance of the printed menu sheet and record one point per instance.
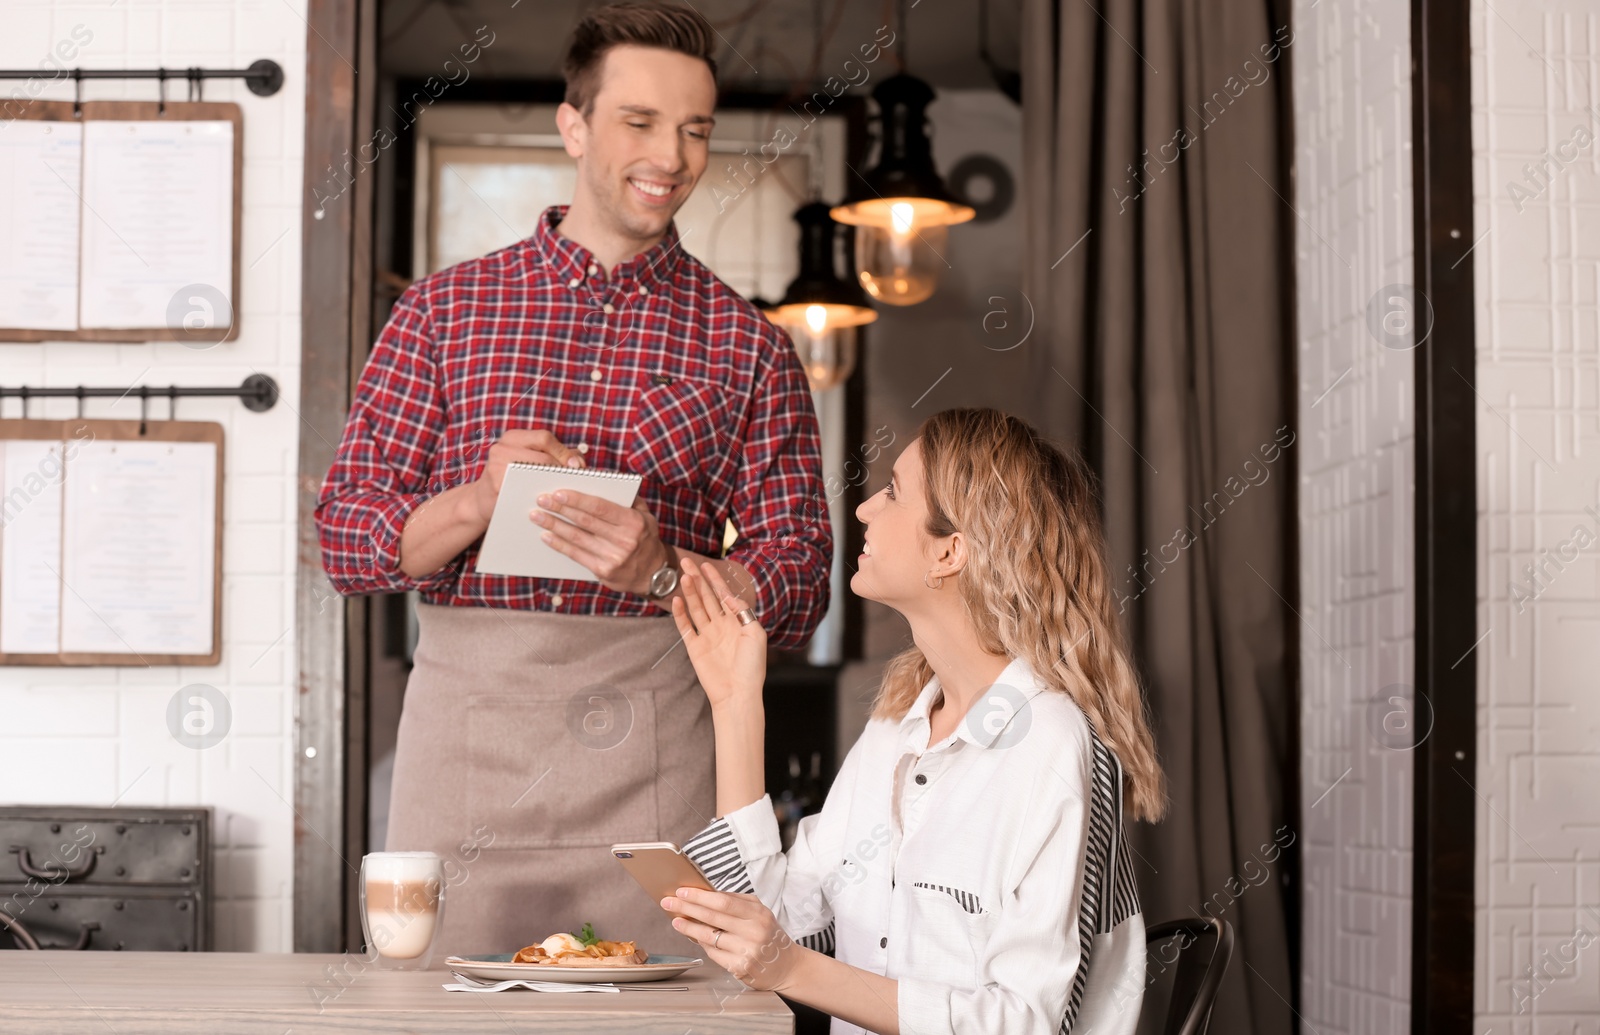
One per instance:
(158, 224)
(40, 168)
(30, 548)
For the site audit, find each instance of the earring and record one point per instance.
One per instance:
(925, 580)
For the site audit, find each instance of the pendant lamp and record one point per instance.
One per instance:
(900, 207)
(820, 309)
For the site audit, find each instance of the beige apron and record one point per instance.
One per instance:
(529, 743)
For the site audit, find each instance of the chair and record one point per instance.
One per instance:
(1200, 947)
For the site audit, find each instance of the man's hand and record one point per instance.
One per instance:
(621, 545)
(519, 445)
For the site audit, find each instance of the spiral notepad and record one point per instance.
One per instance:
(512, 546)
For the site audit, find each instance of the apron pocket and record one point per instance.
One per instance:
(563, 769)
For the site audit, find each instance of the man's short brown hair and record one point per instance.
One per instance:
(642, 24)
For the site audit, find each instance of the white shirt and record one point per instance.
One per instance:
(986, 873)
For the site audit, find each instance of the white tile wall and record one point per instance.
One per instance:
(1352, 100)
(1535, 79)
(99, 735)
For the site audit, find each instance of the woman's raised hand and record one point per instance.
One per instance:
(730, 658)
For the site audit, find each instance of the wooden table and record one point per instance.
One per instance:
(168, 993)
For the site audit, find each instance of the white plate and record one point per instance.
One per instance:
(497, 966)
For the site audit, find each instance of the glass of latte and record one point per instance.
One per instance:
(402, 902)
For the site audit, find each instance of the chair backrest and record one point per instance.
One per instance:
(1200, 948)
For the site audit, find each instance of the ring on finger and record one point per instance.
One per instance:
(717, 939)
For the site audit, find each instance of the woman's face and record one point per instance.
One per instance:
(898, 551)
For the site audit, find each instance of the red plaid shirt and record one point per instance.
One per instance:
(655, 367)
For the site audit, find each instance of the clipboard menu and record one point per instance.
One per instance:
(110, 543)
(122, 224)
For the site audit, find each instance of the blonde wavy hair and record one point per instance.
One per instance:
(1036, 583)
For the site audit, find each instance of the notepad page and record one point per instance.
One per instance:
(512, 546)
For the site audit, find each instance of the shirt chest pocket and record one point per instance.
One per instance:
(678, 431)
(947, 933)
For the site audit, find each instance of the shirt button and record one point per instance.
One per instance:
(608, 309)
(574, 282)
(594, 375)
(883, 943)
(643, 290)
(583, 447)
(555, 601)
(921, 778)
(593, 269)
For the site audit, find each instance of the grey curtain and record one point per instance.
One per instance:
(1160, 271)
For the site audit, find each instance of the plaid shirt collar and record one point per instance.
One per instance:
(572, 263)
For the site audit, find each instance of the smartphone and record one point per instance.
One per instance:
(661, 868)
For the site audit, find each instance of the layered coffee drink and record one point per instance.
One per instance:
(402, 896)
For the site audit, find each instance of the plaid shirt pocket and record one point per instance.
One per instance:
(676, 428)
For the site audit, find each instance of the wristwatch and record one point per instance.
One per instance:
(665, 578)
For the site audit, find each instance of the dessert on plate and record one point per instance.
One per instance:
(582, 950)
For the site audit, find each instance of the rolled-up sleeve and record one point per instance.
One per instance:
(1025, 970)
(742, 853)
(381, 470)
(785, 537)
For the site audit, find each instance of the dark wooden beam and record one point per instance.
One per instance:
(321, 851)
(1444, 835)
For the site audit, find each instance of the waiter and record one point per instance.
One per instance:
(546, 719)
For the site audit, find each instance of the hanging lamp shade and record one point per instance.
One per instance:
(820, 311)
(901, 209)
(904, 190)
(818, 297)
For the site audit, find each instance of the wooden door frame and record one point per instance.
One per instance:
(335, 289)
(1445, 767)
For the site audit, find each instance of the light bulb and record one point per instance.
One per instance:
(901, 216)
(817, 318)
(828, 353)
(900, 264)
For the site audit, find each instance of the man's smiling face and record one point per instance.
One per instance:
(646, 138)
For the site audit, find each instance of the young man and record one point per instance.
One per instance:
(548, 719)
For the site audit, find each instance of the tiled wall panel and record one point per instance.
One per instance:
(1352, 111)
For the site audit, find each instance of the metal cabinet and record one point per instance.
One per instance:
(107, 878)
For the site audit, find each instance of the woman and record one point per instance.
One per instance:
(968, 867)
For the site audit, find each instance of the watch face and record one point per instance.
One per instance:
(664, 581)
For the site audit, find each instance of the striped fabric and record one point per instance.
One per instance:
(716, 853)
(986, 874)
(968, 900)
(1109, 895)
